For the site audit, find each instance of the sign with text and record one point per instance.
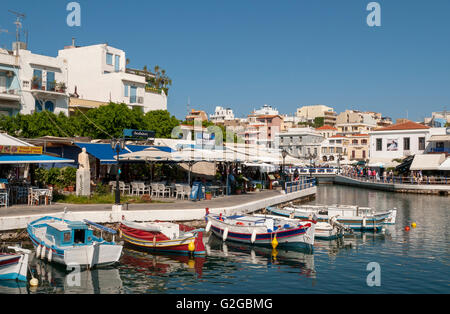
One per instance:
(139, 133)
(20, 150)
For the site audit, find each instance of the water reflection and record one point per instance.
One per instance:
(55, 279)
(240, 253)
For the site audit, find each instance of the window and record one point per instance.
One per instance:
(67, 237)
(379, 144)
(364, 142)
(421, 143)
(109, 59)
(37, 79)
(355, 142)
(406, 143)
(126, 91)
(51, 83)
(364, 154)
(49, 106)
(117, 64)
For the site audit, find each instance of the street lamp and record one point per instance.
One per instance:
(284, 154)
(117, 145)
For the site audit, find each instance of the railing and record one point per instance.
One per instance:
(425, 180)
(440, 150)
(302, 184)
(318, 171)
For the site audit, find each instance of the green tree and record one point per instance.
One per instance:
(161, 122)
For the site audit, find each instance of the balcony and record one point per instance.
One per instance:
(9, 94)
(440, 150)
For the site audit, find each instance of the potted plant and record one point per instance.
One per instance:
(208, 195)
(258, 187)
(69, 178)
(61, 87)
(35, 82)
(238, 189)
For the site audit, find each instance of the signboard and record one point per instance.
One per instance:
(20, 150)
(205, 139)
(139, 134)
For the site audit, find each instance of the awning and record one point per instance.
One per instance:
(32, 159)
(445, 165)
(106, 154)
(427, 162)
(439, 138)
(382, 163)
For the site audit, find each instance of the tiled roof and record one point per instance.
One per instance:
(326, 127)
(409, 125)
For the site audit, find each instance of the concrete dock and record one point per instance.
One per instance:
(17, 217)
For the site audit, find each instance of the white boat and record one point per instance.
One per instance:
(14, 266)
(262, 230)
(72, 242)
(353, 217)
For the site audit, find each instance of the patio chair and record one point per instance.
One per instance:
(155, 189)
(163, 190)
(134, 188)
(187, 190)
(142, 188)
(113, 186)
(4, 199)
(124, 187)
(179, 191)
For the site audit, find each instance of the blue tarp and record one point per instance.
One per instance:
(32, 159)
(106, 154)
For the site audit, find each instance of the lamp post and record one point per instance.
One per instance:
(284, 154)
(117, 145)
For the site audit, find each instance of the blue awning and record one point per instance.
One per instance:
(105, 154)
(32, 159)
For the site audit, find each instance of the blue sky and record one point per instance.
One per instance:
(245, 53)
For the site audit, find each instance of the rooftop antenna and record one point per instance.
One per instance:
(18, 27)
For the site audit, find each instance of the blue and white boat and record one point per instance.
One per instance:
(14, 266)
(353, 217)
(72, 243)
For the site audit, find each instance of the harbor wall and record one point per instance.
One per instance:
(117, 213)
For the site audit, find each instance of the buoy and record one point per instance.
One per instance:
(413, 225)
(253, 239)
(154, 241)
(34, 282)
(407, 228)
(191, 264)
(274, 254)
(120, 233)
(208, 226)
(191, 246)
(225, 234)
(274, 242)
(43, 249)
(364, 222)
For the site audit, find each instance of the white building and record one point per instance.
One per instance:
(98, 73)
(309, 113)
(43, 82)
(265, 110)
(10, 96)
(221, 115)
(300, 142)
(400, 140)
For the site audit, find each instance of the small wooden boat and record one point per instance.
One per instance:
(163, 237)
(14, 266)
(262, 229)
(327, 231)
(72, 242)
(353, 217)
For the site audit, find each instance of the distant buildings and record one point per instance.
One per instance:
(301, 142)
(221, 115)
(310, 113)
(197, 115)
(438, 119)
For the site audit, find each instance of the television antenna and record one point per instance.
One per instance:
(18, 23)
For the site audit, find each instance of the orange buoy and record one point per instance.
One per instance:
(407, 228)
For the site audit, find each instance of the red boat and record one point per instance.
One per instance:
(163, 237)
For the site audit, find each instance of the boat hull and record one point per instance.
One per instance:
(301, 236)
(143, 241)
(375, 223)
(13, 267)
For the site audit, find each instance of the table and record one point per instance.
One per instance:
(36, 194)
(215, 189)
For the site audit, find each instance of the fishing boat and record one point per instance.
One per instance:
(262, 230)
(162, 237)
(323, 230)
(353, 217)
(72, 242)
(14, 266)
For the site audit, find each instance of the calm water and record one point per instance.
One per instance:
(411, 262)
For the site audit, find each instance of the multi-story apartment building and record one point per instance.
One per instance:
(221, 115)
(354, 128)
(10, 95)
(197, 115)
(334, 148)
(301, 142)
(357, 147)
(309, 113)
(327, 131)
(98, 74)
